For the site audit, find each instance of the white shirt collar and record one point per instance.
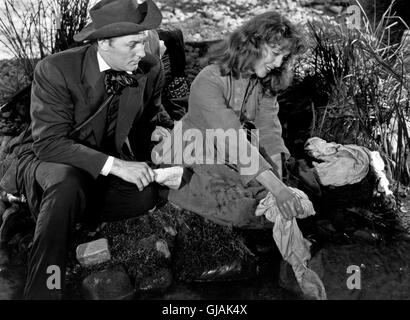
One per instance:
(103, 65)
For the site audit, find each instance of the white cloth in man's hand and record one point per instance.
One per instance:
(170, 177)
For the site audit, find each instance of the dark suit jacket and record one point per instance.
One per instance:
(68, 88)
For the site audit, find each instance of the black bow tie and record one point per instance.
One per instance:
(115, 81)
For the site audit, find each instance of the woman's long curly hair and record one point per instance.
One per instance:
(237, 54)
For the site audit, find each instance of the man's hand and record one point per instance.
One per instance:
(138, 173)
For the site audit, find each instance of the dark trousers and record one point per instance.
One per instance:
(70, 195)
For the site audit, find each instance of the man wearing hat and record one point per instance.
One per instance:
(93, 109)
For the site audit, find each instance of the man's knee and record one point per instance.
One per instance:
(63, 179)
(123, 200)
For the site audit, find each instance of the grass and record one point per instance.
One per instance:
(31, 30)
(362, 91)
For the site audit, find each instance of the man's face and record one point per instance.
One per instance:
(124, 53)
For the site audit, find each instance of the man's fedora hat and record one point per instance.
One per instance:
(115, 18)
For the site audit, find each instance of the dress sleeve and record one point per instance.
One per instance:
(270, 129)
(208, 109)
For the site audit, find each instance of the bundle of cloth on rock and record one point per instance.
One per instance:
(338, 164)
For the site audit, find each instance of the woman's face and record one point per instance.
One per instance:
(272, 57)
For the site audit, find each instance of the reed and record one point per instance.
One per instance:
(31, 29)
(360, 78)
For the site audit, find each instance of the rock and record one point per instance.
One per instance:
(159, 282)
(259, 243)
(93, 253)
(264, 248)
(316, 264)
(223, 23)
(7, 222)
(162, 247)
(196, 36)
(4, 257)
(335, 9)
(287, 279)
(170, 230)
(366, 235)
(179, 13)
(258, 10)
(230, 271)
(148, 243)
(217, 16)
(9, 288)
(329, 227)
(182, 292)
(110, 284)
(404, 236)
(326, 227)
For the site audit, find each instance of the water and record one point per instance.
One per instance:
(384, 274)
(12, 275)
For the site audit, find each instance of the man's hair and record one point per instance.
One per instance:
(237, 54)
(111, 39)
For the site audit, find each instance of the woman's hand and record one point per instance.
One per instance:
(288, 203)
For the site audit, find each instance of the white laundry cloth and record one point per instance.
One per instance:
(170, 177)
(339, 164)
(294, 248)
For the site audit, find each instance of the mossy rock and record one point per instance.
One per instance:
(207, 251)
